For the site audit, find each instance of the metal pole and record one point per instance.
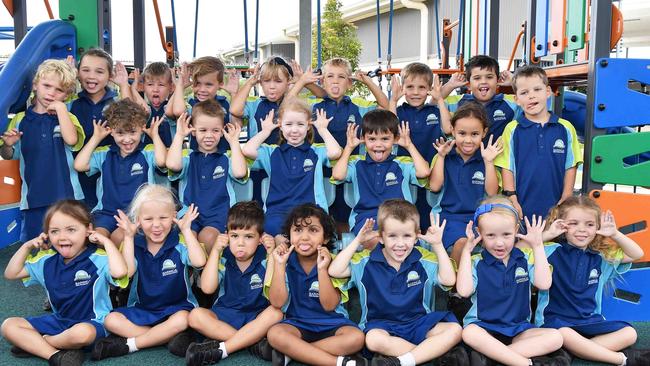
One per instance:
(493, 28)
(104, 22)
(304, 33)
(20, 21)
(139, 44)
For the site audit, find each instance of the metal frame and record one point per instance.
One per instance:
(530, 29)
(139, 39)
(20, 21)
(304, 37)
(493, 28)
(104, 25)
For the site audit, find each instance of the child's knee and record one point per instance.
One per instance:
(9, 325)
(196, 318)
(470, 333)
(179, 321)
(454, 330)
(277, 336)
(375, 340)
(630, 335)
(82, 334)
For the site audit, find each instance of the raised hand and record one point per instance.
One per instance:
(221, 243)
(396, 88)
(309, 76)
(490, 151)
(557, 228)
(121, 76)
(232, 85)
(404, 135)
(281, 253)
(457, 80)
(185, 75)
(123, 222)
(367, 232)
(434, 233)
(268, 123)
(185, 223)
(231, 133)
(183, 126)
(40, 242)
(55, 106)
(472, 239)
(137, 82)
(10, 137)
(505, 78)
(324, 258)
(153, 127)
(97, 238)
(534, 230)
(351, 135)
(101, 129)
(607, 224)
(321, 119)
(436, 89)
(443, 146)
(269, 243)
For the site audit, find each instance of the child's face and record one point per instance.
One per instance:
(308, 236)
(416, 90)
(274, 87)
(127, 140)
(243, 242)
(468, 133)
(67, 235)
(483, 84)
(379, 145)
(155, 220)
(294, 126)
(581, 225)
(206, 87)
(94, 74)
(48, 89)
(532, 95)
(336, 81)
(208, 132)
(498, 234)
(157, 89)
(398, 238)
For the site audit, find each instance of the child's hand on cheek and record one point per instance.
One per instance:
(221, 243)
(324, 258)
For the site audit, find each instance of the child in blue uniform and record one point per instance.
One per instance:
(295, 166)
(499, 280)
(588, 253)
(158, 259)
(396, 287)
(76, 275)
(316, 329)
(379, 175)
(124, 165)
(237, 266)
(157, 85)
(206, 174)
(43, 138)
(537, 142)
(463, 172)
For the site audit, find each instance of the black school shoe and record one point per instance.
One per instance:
(20, 353)
(357, 358)
(381, 360)
(111, 346)
(478, 359)
(205, 353)
(262, 350)
(637, 357)
(277, 358)
(561, 357)
(178, 345)
(456, 356)
(73, 357)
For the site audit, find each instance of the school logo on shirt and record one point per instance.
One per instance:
(521, 275)
(81, 278)
(352, 119)
(391, 179)
(308, 165)
(478, 178)
(256, 282)
(498, 115)
(314, 289)
(432, 119)
(559, 147)
(593, 277)
(136, 169)
(169, 268)
(412, 279)
(56, 132)
(218, 172)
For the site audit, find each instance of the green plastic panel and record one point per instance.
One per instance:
(83, 15)
(575, 27)
(607, 156)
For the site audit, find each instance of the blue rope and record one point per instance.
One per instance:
(390, 31)
(174, 26)
(245, 31)
(196, 24)
(461, 17)
(319, 47)
(257, 22)
(437, 3)
(378, 34)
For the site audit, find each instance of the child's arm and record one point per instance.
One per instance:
(489, 153)
(16, 267)
(116, 263)
(569, 182)
(543, 278)
(433, 236)
(135, 95)
(237, 159)
(210, 273)
(421, 165)
(437, 178)
(329, 296)
(340, 170)
(121, 78)
(397, 93)
(68, 130)
(174, 160)
(238, 101)
(464, 278)
(195, 252)
(278, 293)
(321, 122)
(438, 99)
(232, 85)
(340, 266)
(251, 147)
(9, 139)
(159, 149)
(608, 228)
(509, 185)
(127, 248)
(382, 99)
(100, 132)
(176, 105)
(456, 81)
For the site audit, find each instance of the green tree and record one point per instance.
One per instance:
(339, 39)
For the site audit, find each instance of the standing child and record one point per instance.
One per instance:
(43, 138)
(588, 254)
(76, 275)
(537, 142)
(157, 85)
(295, 166)
(316, 329)
(237, 266)
(124, 165)
(206, 175)
(158, 259)
(499, 280)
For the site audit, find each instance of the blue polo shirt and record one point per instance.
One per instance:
(463, 187)
(579, 278)
(223, 144)
(374, 182)
(424, 123)
(387, 294)
(539, 156)
(239, 290)
(77, 290)
(164, 130)
(501, 298)
(120, 177)
(346, 111)
(255, 110)
(162, 282)
(500, 110)
(86, 110)
(46, 162)
(206, 180)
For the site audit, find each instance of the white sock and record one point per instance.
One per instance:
(339, 362)
(222, 347)
(131, 343)
(407, 359)
(624, 359)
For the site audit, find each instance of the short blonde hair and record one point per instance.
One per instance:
(272, 69)
(400, 210)
(66, 74)
(339, 62)
(151, 192)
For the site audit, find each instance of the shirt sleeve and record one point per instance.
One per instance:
(506, 160)
(34, 265)
(97, 159)
(573, 154)
(321, 152)
(352, 171)
(364, 106)
(408, 170)
(263, 161)
(238, 180)
(81, 135)
(475, 260)
(612, 265)
(185, 163)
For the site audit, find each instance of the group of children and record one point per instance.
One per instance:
(280, 291)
